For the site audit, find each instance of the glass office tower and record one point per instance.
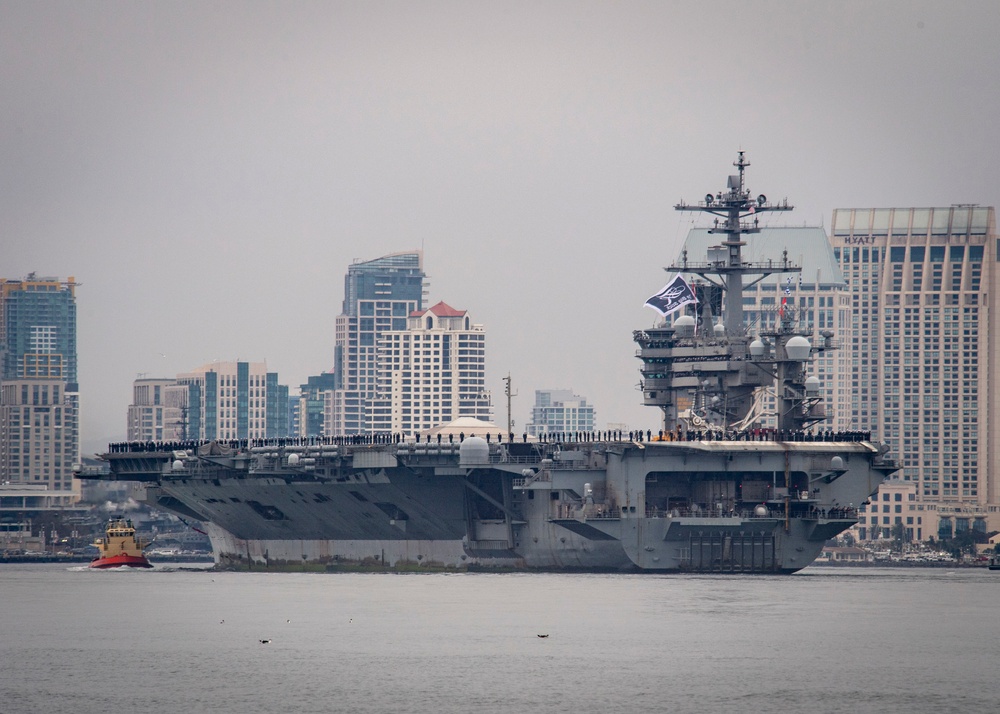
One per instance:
(379, 295)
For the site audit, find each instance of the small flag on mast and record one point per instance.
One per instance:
(674, 295)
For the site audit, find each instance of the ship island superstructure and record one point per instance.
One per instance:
(710, 491)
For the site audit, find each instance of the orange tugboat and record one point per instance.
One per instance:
(120, 546)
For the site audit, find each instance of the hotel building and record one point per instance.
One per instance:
(923, 371)
(431, 373)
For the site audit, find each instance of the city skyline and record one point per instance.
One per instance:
(207, 176)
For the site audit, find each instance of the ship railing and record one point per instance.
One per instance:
(604, 515)
(751, 513)
(489, 545)
(539, 477)
(552, 464)
(699, 513)
(505, 458)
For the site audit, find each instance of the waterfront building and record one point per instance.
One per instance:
(309, 405)
(818, 296)
(893, 512)
(294, 423)
(158, 411)
(431, 373)
(844, 555)
(560, 410)
(923, 340)
(235, 400)
(39, 393)
(379, 295)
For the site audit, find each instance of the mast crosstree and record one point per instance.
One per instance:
(740, 215)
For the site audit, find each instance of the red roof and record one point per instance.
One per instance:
(442, 309)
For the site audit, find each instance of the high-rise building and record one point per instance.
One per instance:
(38, 328)
(379, 295)
(235, 400)
(559, 410)
(431, 373)
(39, 395)
(818, 296)
(923, 341)
(309, 405)
(158, 411)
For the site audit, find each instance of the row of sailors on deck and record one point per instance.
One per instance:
(238, 444)
(551, 438)
(770, 435)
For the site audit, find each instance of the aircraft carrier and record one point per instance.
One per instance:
(713, 490)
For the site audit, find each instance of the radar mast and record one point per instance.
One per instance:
(715, 379)
(740, 215)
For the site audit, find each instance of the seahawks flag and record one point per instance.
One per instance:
(675, 295)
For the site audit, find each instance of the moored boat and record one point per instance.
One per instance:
(120, 546)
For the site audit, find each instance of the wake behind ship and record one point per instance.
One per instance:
(713, 490)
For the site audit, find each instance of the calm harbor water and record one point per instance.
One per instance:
(173, 640)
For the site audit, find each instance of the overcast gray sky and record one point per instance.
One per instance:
(208, 171)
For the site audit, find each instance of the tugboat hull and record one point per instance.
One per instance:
(120, 546)
(116, 561)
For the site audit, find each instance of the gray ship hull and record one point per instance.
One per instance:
(703, 506)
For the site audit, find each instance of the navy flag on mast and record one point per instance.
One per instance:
(675, 295)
